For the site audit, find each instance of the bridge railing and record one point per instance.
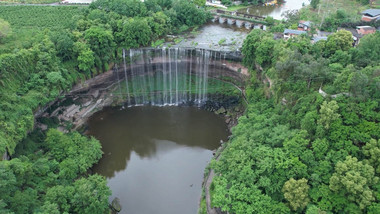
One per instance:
(250, 16)
(252, 20)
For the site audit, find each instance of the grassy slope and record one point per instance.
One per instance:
(28, 1)
(328, 7)
(376, 4)
(28, 21)
(237, 7)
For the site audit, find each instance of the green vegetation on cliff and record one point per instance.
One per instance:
(44, 50)
(295, 150)
(51, 48)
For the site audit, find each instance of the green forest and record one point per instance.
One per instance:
(44, 50)
(297, 150)
(309, 141)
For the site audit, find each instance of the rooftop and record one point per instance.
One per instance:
(372, 12)
(365, 27)
(306, 23)
(297, 32)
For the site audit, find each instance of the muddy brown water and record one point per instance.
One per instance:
(154, 157)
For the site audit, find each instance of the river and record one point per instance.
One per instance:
(225, 37)
(154, 157)
(221, 37)
(275, 11)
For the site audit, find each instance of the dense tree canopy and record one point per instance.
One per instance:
(296, 147)
(354, 180)
(340, 41)
(55, 47)
(46, 181)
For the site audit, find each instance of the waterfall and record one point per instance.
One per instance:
(126, 78)
(167, 76)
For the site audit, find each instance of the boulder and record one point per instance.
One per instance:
(94, 93)
(221, 110)
(115, 204)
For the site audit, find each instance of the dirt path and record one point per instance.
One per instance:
(210, 210)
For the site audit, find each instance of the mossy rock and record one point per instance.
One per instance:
(115, 204)
(221, 110)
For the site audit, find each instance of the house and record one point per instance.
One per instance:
(364, 30)
(288, 33)
(359, 32)
(304, 25)
(371, 15)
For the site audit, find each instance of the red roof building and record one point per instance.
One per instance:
(371, 15)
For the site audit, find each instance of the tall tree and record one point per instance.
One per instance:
(314, 3)
(251, 43)
(328, 113)
(296, 192)
(372, 152)
(135, 32)
(341, 40)
(355, 180)
(101, 42)
(368, 50)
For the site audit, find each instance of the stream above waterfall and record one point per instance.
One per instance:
(219, 37)
(154, 157)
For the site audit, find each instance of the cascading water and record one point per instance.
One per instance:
(171, 76)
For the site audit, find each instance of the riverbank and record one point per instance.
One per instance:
(206, 198)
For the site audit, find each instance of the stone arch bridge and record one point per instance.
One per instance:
(239, 19)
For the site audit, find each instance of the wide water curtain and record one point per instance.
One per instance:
(165, 76)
